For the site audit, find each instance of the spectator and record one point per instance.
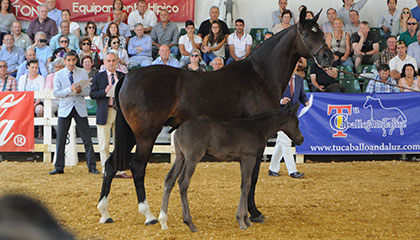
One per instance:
(206, 26)
(344, 12)
(286, 17)
(339, 42)
(72, 105)
(268, 35)
(87, 64)
(276, 15)
(300, 67)
(416, 11)
(195, 59)
(365, 45)
(23, 67)
(383, 83)
(324, 80)
(57, 65)
(165, 58)
(408, 79)
(327, 27)
(239, 42)
(43, 52)
(188, 42)
(217, 63)
(389, 18)
(353, 26)
(397, 63)
(214, 43)
(401, 26)
(42, 23)
(6, 17)
(123, 29)
(414, 50)
(143, 16)
(91, 33)
(11, 54)
(53, 12)
(65, 31)
(32, 81)
(294, 93)
(74, 26)
(165, 32)
(114, 43)
(120, 67)
(391, 51)
(140, 48)
(85, 50)
(22, 40)
(113, 31)
(410, 35)
(118, 4)
(309, 15)
(7, 82)
(63, 47)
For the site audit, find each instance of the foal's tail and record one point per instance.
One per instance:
(124, 138)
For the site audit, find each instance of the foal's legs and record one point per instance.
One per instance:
(169, 184)
(247, 164)
(256, 216)
(106, 188)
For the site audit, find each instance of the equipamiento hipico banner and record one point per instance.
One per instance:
(16, 121)
(361, 124)
(99, 10)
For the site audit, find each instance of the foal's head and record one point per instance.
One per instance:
(291, 128)
(312, 40)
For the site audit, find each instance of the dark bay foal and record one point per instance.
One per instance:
(242, 140)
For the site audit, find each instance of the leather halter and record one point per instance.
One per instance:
(309, 49)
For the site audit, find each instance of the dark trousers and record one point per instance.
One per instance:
(83, 128)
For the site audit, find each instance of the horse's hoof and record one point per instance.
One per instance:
(152, 222)
(258, 219)
(193, 228)
(243, 227)
(108, 220)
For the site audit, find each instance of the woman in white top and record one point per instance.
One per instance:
(286, 16)
(33, 81)
(408, 79)
(74, 27)
(91, 33)
(214, 43)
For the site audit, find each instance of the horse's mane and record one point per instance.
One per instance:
(268, 45)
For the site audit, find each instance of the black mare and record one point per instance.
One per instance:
(152, 97)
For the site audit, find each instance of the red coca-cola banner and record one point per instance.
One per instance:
(98, 11)
(16, 121)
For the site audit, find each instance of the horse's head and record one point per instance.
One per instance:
(312, 40)
(291, 127)
(368, 102)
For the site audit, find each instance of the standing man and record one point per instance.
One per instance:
(53, 12)
(276, 14)
(72, 105)
(389, 18)
(294, 93)
(327, 26)
(11, 54)
(105, 115)
(42, 23)
(140, 48)
(143, 16)
(410, 35)
(344, 12)
(165, 32)
(205, 26)
(22, 40)
(239, 42)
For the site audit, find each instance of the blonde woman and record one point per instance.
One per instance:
(195, 59)
(339, 42)
(401, 27)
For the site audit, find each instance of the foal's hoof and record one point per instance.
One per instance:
(258, 219)
(152, 222)
(108, 220)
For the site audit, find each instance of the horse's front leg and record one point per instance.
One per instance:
(256, 216)
(138, 168)
(106, 187)
(242, 213)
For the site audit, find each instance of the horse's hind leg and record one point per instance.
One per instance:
(242, 213)
(169, 184)
(256, 216)
(106, 187)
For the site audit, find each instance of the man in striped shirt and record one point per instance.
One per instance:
(7, 82)
(383, 81)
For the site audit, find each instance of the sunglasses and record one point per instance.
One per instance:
(64, 41)
(400, 42)
(406, 12)
(86, 43)
(91, 27)
(3, 66)
(115, 42)
(411, 23)
(195, 55)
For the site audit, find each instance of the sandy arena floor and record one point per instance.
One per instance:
(353, 200)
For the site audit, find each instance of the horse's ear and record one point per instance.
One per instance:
(317, 15)
(302, 16)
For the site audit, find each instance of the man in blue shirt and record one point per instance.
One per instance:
(11, 54)
(165, 57)
(65, 30)
(123, 28)
(383, 81)
(43, 51)
(53, 12)
(31, 55)
(415, 12)
(140, 48)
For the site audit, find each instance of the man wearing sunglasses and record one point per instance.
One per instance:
(389, 18)
(410, 35)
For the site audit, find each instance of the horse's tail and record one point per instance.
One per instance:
(124, 138)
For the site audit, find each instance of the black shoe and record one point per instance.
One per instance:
(56, 171)
(273, 174)
(94, 171)
(296, 175)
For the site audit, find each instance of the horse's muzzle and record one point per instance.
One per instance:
(298, 141)
(325, 57)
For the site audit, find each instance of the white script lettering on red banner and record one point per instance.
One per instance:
(98, 11)
(16, 121)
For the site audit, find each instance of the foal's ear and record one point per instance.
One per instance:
(302, 16)
(317, 15)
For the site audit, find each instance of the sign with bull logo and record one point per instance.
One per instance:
(16, 121)
(361, 124)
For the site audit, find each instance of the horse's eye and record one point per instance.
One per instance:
(314, 29)
(305, 34)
